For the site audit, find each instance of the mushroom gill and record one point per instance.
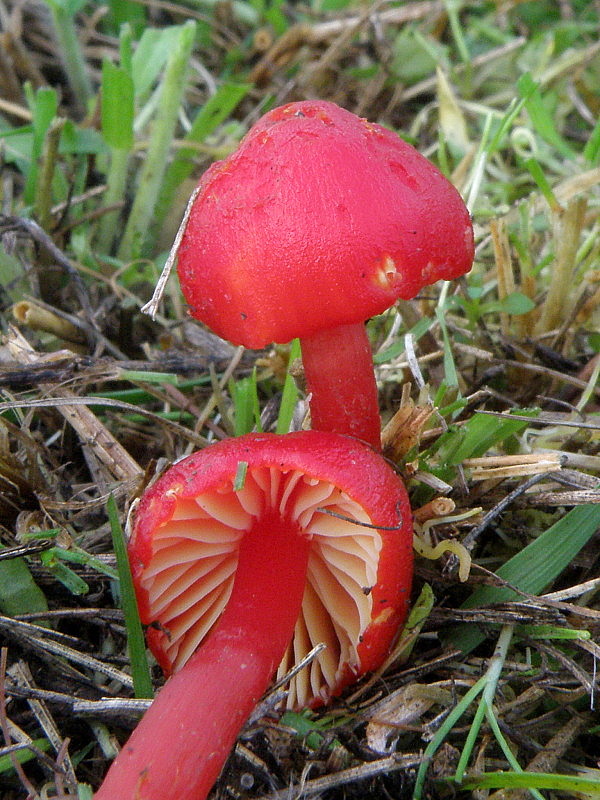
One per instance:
(192, 569)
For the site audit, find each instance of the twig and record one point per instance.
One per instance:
(68, 653)
(546, 419)
(471, 538)
(574, 498)
(22, 676)
(383, 766)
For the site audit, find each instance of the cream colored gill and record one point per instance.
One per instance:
(190, 576)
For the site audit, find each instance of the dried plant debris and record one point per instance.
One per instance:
(489, 386)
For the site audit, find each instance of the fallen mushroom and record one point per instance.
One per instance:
(317, 222)
(237, 551)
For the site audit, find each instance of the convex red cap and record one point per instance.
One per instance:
(319, 219)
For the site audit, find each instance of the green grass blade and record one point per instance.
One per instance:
(63, 15)
(44, 107)
(149, 58)
(534, 780)
(216, 109)
(289, 395)
(148, 377)
(140, 671)
(244, 394)
(450, 374)
(591, 151)
(398, 347)
(443, 731)
(139, 224)
(78, 556)
(541, 116)
(505, 747)
(63, 574)
(537, 173)
(22, 756)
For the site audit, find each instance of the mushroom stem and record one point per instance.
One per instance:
(338, 365)
(183, 740)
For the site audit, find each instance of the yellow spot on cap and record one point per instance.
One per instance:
(384, 616)
(386, 273)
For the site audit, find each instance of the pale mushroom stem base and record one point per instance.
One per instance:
(183, 740)
(338, 365)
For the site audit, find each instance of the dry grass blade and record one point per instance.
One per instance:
(91, 431)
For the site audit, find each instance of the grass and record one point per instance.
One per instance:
(108, 114)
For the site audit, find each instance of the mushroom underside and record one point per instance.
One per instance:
(194, 560)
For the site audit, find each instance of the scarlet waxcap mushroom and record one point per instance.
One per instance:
(244, 556)
(317, 222)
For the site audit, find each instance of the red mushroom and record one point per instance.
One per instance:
(251, 568)
(318, 221)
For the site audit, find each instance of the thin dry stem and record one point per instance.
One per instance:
(567, 227)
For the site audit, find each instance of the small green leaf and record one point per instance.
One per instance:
(19, 593)
(240, 476)
(517, 303)
(76, 555)
(417, 617)
(416, 56)
(84, 791)
(126, 12)
(44, 106)
(80, 141)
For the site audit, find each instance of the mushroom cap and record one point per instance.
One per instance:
(189, 523)
(318, 219)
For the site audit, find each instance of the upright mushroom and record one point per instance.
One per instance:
(317, 222)
(251, 544)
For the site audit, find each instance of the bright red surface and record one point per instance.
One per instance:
(292, 233)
